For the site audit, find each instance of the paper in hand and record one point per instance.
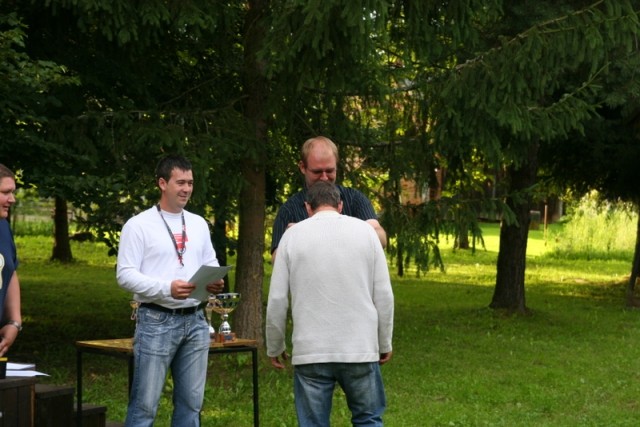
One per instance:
(206, 274)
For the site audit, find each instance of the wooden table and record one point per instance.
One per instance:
(123, 348)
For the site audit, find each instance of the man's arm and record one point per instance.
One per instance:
(128, 274)
(12, 312)
(356, 204)
(382, 235)
(383, 300)
(277, 310)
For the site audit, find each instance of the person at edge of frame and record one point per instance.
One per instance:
(10, 309)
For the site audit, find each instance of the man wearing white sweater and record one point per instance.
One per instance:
(335, 271)
(160, 250)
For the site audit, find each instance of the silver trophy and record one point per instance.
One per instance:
(223, 304)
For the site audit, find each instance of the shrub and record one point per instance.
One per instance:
(596, 229)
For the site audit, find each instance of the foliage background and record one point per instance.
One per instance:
(570, 362)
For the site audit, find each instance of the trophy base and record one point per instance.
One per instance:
(222, 338)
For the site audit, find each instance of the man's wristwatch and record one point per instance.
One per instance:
(16, 324)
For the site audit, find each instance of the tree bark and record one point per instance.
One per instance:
(400, 259)
(509, 293)
(635, 267)
(61, 246)
(462, 238)
(249, 269)
(219, 236)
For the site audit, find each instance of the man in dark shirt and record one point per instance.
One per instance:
(319, 162)
(10, 311)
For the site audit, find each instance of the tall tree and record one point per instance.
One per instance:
(539, 80)
(252, 203)
(25, 91)
(239, 85)
(144, 92)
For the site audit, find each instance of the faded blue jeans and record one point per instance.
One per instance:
(313, 386)
(166, 341)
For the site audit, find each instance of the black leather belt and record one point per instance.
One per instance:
(180, 311)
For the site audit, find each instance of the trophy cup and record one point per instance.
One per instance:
(209, 311)
(223, 304)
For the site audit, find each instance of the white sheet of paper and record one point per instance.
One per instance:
(206, 274)
(24, 373)
(19, 366)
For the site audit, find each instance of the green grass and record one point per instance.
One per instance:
(571, 362)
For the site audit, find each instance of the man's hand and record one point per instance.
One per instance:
(276, 363)
(8, 335)
(181, 289)
(216, 287)
(385, 357)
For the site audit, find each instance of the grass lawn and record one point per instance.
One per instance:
(572, 362)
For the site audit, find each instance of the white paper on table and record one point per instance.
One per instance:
(206, 274)
(24, 373)
(19, 366)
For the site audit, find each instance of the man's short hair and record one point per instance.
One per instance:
(5, 172)
(167, 164)
(318, 140)
(323, 193)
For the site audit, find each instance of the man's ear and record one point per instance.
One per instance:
(162, 184)
(308, 208)
(301, 166)
(340, 204)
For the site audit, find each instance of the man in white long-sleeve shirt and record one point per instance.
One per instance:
(335, 271)
(160, 250)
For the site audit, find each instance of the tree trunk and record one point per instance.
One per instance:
(635, 267)
(219, 236)
(509, 293)
(249, 271)
(61, 246)
(400, 259)
(462, 238)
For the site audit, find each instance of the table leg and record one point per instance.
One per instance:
(256, 400)
(79, 388)
(130, 374)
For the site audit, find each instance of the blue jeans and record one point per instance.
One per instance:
(166, 341)
(313, 386)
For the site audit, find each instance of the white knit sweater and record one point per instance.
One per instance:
(336, 273)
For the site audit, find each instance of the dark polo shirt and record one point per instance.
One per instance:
(8, 260)
(354, 204)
